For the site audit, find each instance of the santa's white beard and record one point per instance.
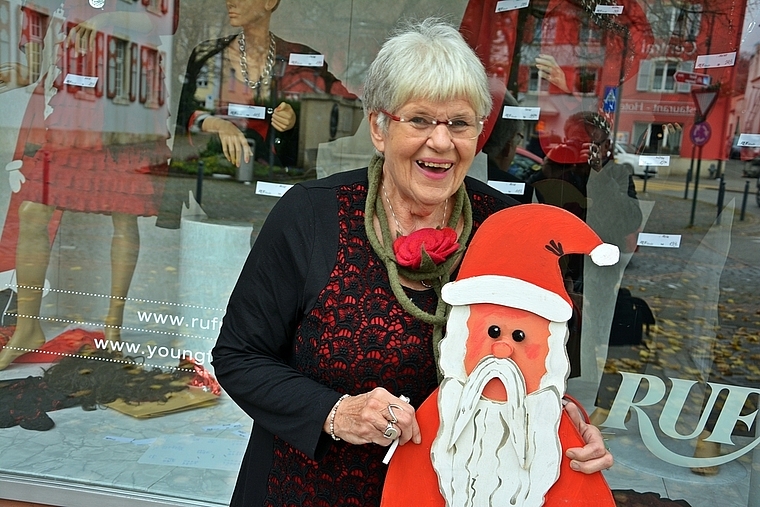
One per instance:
(491, 453)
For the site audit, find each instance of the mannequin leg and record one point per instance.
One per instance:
(125, 247)
(32, 258)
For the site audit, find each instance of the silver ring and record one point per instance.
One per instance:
(390, 431)
(391, 406)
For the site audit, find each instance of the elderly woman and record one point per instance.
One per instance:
(329, 323)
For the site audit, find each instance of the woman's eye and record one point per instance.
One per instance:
(419, 121)
(494, 331)
(459, 123)
(518, 335)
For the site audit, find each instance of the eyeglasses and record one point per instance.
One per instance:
(460, 127)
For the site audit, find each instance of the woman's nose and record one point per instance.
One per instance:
(440, 138)
(502, 350)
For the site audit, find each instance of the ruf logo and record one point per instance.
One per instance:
(656, 391)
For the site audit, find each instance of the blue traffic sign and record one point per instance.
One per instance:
(700, 133)
(609, 103)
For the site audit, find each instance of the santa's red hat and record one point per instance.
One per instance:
(513, 260)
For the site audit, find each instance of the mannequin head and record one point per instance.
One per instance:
(243, 13)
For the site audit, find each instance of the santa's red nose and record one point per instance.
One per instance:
(502, 350)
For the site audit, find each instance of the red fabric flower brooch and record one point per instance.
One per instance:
(425, 245)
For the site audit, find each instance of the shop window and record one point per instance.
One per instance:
(585, 79)
(679, 21)
(150, 75)
(590, 34)
(688, 22)
(33, 48)
(536, 84)
(118, 69)
(545, 31)
(663, 76)
(659, 75)
(5, 46)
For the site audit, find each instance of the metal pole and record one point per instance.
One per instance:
(696, 188)
(646, 178)
(744, 201)
(199, 181)
(689, 174)
(721, 194)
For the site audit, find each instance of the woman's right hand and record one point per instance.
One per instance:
(234, 144)
(363, 419)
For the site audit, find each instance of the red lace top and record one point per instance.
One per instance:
(355, 336)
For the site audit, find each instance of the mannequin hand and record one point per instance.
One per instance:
(234, 144)
(549, 69)
(362, 419)
(283, 118)
(592, 457)
(15, 177)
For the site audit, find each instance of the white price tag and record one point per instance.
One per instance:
(143, 441)
(656, 160)
(306, 60)
(271, 189)
(220, 427)
(121, 440)
(510, 5)
(749, 141)
(508, 187)
(243, 111)
(608, 9)
(83, 81)
(520, 113)
(659, 240)
(719, 60)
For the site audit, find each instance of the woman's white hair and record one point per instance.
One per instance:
(425, 60)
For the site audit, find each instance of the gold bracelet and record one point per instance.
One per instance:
(332, 417)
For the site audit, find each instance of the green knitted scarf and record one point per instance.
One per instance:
(435, 276)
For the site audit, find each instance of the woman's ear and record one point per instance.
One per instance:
(377, 135)
(271, 5)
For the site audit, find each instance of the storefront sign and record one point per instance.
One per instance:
(661, 108)
(656, 391)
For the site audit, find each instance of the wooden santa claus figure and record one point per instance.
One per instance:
(495, 432)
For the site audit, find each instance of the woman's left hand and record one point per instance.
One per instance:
(592, 457)
(283, 118)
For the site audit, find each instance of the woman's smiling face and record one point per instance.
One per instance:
(425, 170)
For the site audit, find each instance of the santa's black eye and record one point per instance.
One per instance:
(494, 331)
(518, 335)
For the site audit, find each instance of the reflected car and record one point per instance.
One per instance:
(626, 155)
(525, 164)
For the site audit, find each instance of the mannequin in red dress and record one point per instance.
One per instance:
(66, 160)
